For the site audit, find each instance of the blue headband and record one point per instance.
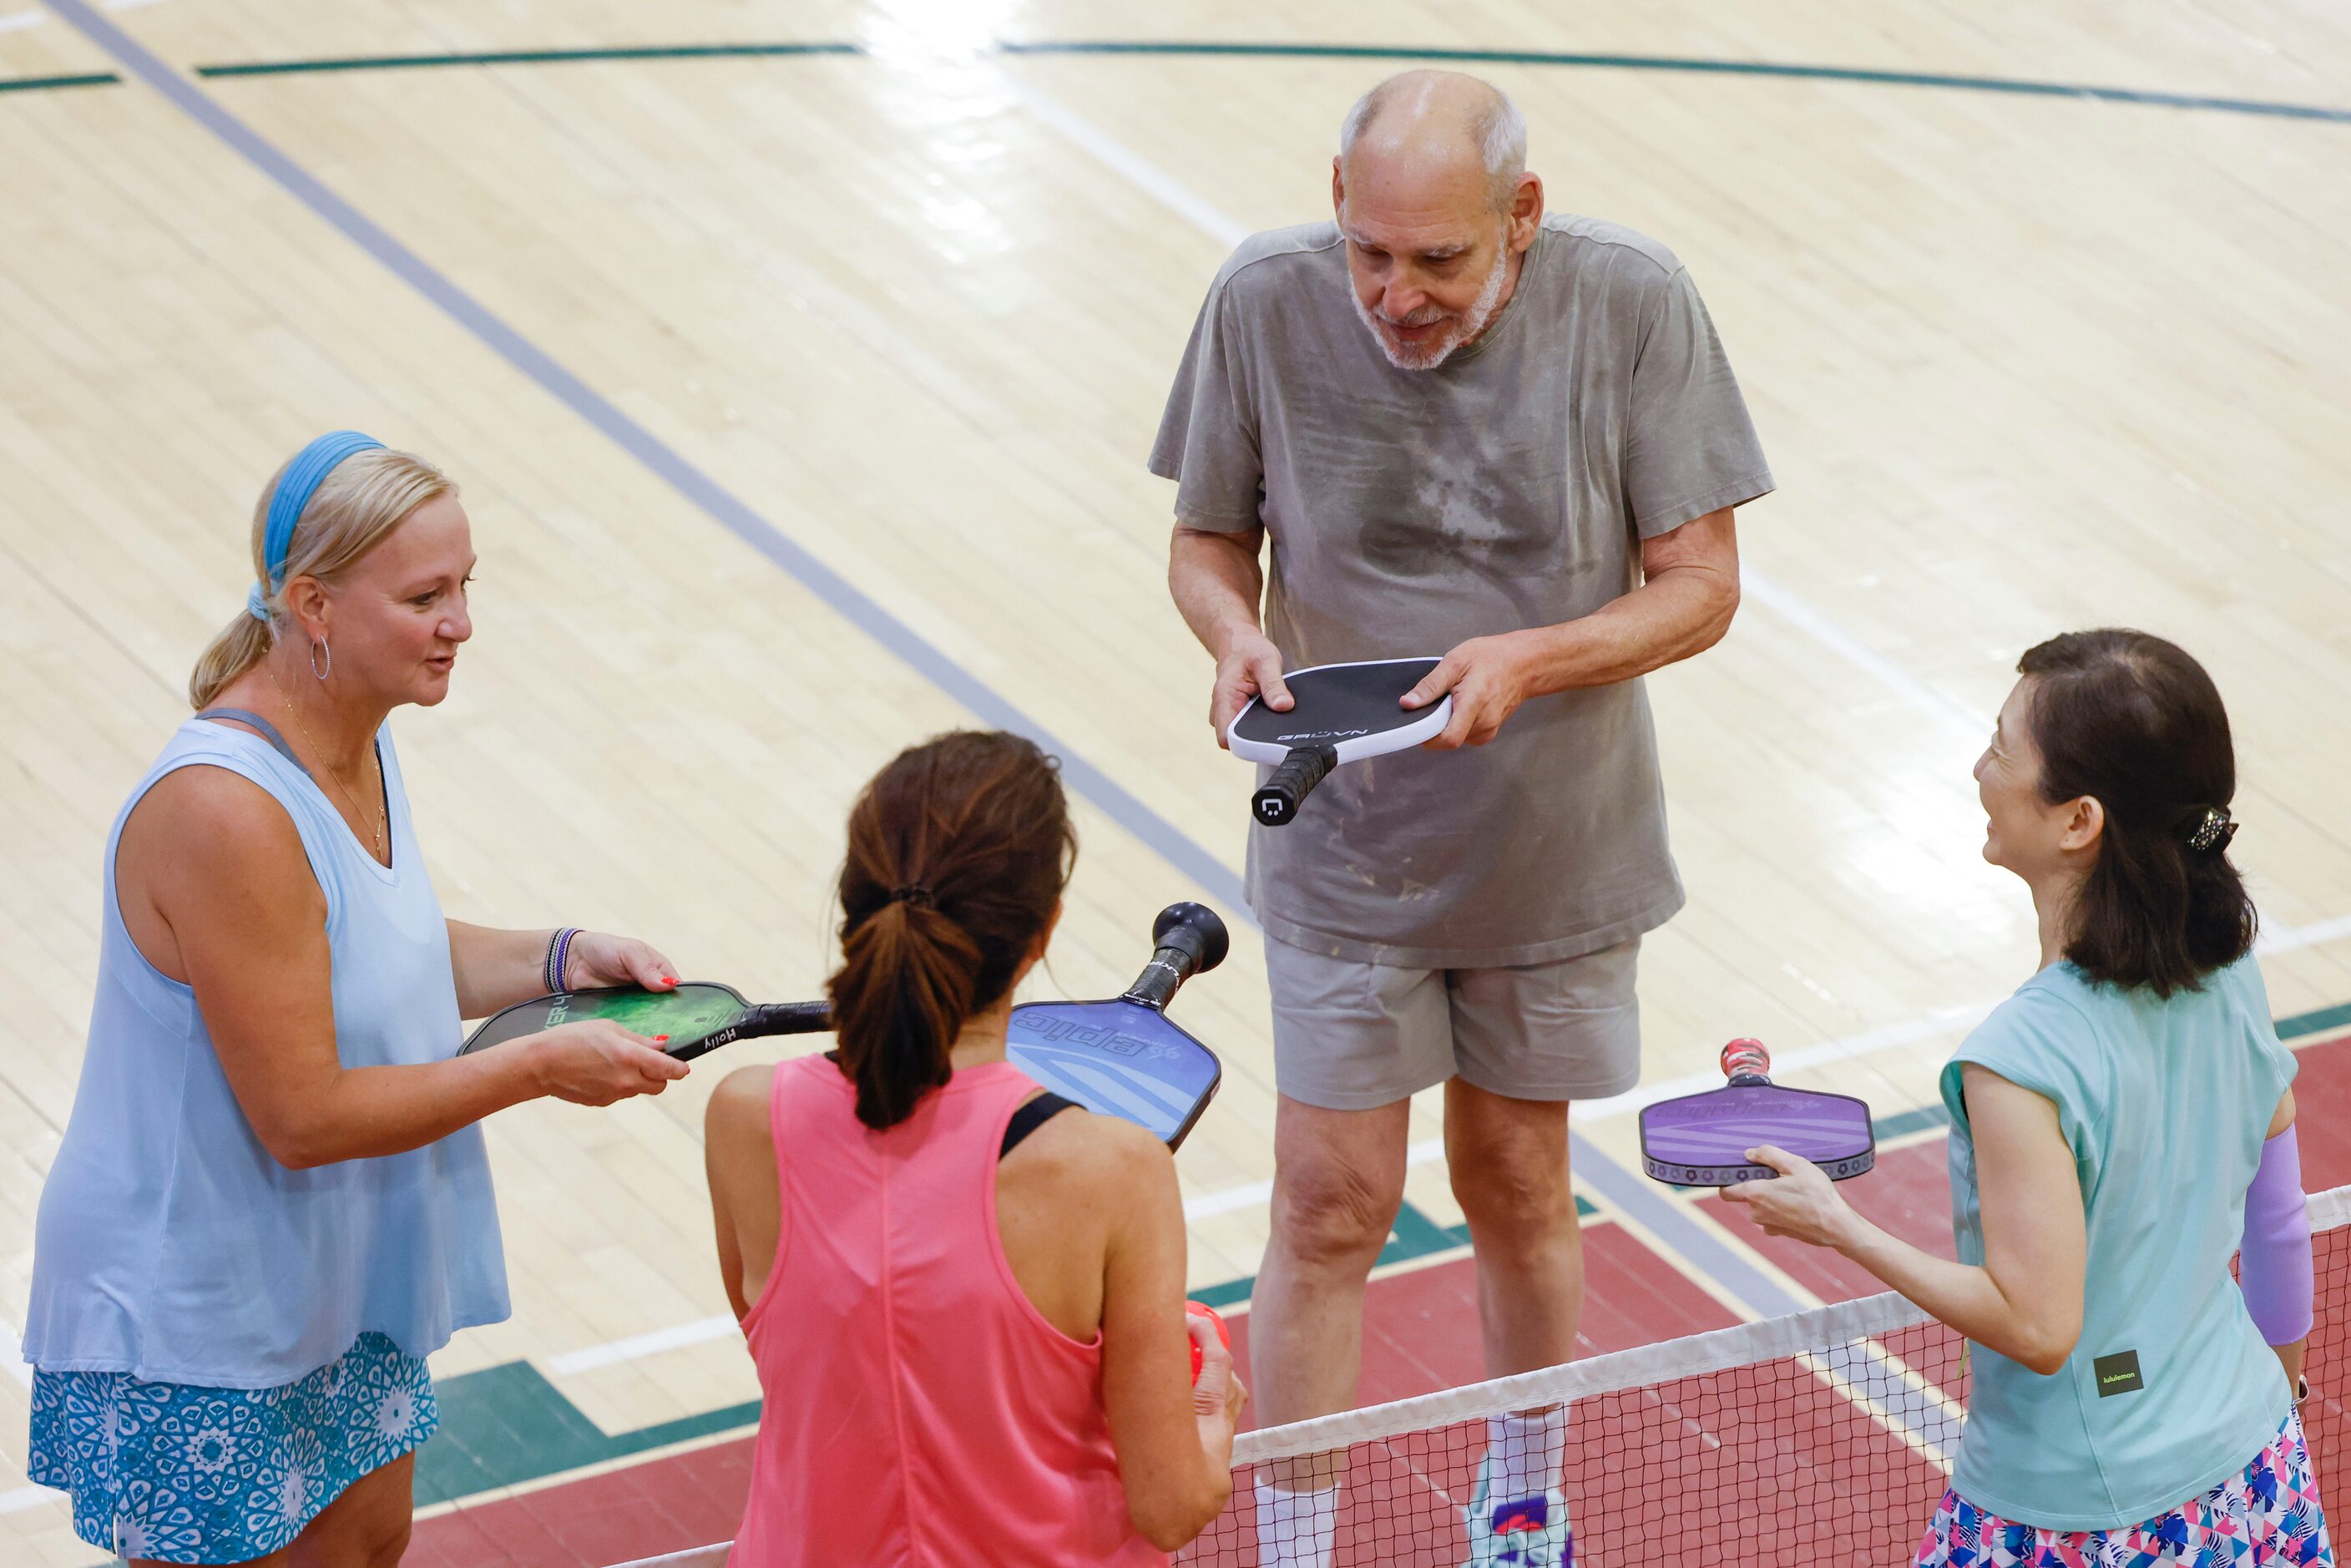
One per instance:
(303, 477)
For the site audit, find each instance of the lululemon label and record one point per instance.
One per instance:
(2118, 1373)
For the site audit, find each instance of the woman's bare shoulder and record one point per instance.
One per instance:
(1089, 1147)
(219, 801)
(206, 840)
(737, 1111)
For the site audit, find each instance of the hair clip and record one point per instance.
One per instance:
(2212, 831)
(913, 892)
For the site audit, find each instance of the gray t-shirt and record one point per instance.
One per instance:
(1411, 510)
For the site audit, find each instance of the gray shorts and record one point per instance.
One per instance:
(1350, 1036)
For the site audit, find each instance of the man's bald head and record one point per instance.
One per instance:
(1432, 195)
(1428, 119)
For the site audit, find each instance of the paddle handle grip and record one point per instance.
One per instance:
(1746, 1061)
(1191, 939)
(1279, 798)
(764, 1018)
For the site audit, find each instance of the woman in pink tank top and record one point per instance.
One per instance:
(966, 1312)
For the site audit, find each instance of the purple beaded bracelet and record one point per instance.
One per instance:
(559, 958)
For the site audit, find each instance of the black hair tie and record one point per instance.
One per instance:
(913, 892)
(2212, 831)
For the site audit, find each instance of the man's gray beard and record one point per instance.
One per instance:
(1473, 321)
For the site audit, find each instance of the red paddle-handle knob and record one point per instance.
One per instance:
(1198, 1309)
(1746, 1058)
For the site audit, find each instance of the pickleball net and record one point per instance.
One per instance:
(1823, 1437)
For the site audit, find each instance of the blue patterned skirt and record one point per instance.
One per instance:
(181, 1474)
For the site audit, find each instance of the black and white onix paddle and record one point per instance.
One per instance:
(1340, 713)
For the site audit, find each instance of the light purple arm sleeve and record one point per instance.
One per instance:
(2274, 1267)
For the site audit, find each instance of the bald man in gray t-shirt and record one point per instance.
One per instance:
(1471, 429)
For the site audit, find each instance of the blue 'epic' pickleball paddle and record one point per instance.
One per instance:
(1122, 1057)
(1701, 1139)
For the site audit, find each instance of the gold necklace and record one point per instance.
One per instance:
(304, 730)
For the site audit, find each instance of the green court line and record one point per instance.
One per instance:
(527, 57)
(508, 1424)
(1407, 52)
(1885, 1129)
(2312, 1022)
(44, 84)
(1412, 1235)
(1177, 48)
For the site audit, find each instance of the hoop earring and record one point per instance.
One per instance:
(329, 669)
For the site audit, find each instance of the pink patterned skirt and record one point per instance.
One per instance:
(2268, 1514)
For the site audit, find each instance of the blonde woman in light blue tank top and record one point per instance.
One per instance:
(2122, 1128)
(272, 1201)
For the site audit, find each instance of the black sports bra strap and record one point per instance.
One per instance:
(268, 731)
(1031, 1116)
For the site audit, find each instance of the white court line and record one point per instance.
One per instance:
(2289, 938)
(1792, 608)
(14, 1345)
(1767, 592)
(1179, 199)
(1943, 1020)
(1888, 1036)
(26, 1497)
(1760, 588)
(1884, 1038)
(644, 1344)
(1139, 172)
(1256, 1193)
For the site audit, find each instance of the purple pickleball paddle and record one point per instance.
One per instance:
(1701, 1139)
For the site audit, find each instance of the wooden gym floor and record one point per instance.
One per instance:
(799, 390)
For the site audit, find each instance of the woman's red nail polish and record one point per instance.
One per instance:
(661, 1039)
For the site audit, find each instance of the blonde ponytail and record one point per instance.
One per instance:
(354, 509)
(241, 645)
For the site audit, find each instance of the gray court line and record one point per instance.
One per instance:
(714, 501)
(1897, 1395)
(1663, 1215)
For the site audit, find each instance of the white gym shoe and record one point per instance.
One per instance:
(1529, 1534)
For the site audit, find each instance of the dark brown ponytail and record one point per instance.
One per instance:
(2132, 720)
(958, 851)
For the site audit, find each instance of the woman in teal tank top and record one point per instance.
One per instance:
(272, 1201)
(2121, 1127)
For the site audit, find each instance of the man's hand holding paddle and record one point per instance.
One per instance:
(1249, 668)
(1488, 678)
